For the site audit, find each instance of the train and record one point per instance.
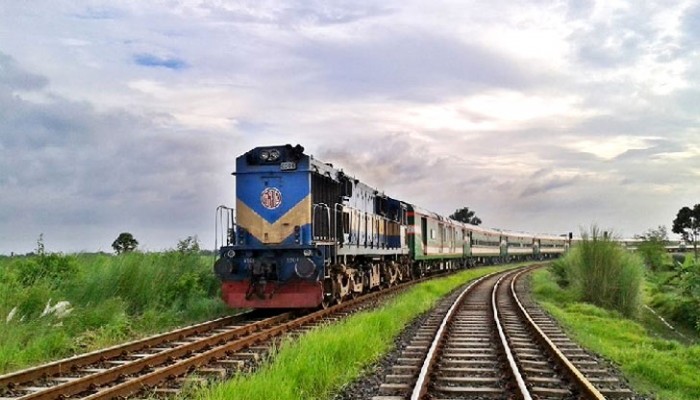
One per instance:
(304, 234)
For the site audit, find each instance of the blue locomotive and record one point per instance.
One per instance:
(304, 234)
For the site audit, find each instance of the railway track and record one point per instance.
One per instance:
(217, 348)
(491, 341)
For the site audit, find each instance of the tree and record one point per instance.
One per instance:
(125, 243)
(659, 234)
(652, 248)
(466, 215)
(189, 245)
(687, 224)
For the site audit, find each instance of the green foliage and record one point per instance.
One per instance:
(677, 294)
(601, 272)
(466, 215)
(162, 280)
(659, 234)
(652, 248)
(678, 258)
(52, 268)
(113, 298)
(665, 368)
(125, 243)
(188, 245)
(559, 269)
(654, 254)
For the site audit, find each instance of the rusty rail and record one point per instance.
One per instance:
(68, 364)
(151, 369)
(421, 386)
(182, 367)
(514, 368)
(584, 384)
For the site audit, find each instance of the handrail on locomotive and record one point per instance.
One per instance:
(225, 226)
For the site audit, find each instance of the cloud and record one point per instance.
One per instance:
(66, 167)
(579, 9)
(411, 65)
(151, 60)
(544, 182)
(98, 13)
(12, 77)
(323, 13)
(539, 115)
(691, 29)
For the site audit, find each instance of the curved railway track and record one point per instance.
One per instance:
(490, 341)
(217, 347)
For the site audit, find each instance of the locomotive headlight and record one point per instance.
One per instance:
(264, 155)
(307, 253)
(305, 268)
(230, 254)
(274, 155)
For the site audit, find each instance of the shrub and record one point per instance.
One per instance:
(601, 272)
(654, 254)
(559, 269)
(678, 259)
(53, 268)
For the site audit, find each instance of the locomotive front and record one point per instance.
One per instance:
(268, 259)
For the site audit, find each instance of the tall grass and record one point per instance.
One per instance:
(160, 280)
(113, 298)
(601, 272)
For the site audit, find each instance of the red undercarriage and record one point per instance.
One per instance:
(288, 295)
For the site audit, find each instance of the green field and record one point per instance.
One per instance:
(112, 299)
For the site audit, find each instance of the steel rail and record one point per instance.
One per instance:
(569, 367)
(524, 391)
(13, 379)
(82, 384)
(421, 386)
(183, 366)
(222, 343)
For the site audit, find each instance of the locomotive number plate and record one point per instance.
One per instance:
(288, 165)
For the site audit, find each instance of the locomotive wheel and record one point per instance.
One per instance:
(329, 293)
(326, 302)
(393, 275)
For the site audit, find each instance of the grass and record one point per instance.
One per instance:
(319, 363)
(113, 298)
(666, 368)
(601, 272)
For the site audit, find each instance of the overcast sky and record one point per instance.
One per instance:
(544, 116)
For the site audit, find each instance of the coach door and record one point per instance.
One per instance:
(467, 243)
(424, 234)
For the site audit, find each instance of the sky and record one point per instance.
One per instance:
(541, 116)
